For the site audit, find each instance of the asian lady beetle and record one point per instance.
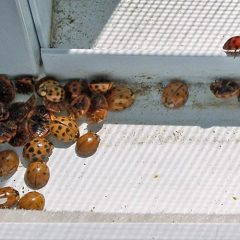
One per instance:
(100, 85)
(232, 46)
(87, 144)
(9, 162)
(119, 98)
(64, 128)
(39, 149)
(98, 110)
(9, 196)
(32, 201)
(175, 94)
(37, 175)
(225, 88)
(80, 105)
(50, 89)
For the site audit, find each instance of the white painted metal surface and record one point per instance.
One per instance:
(126, 64)
(106, 231)
(127, 38)
(165, 27)
(42, 16)
(19, 47)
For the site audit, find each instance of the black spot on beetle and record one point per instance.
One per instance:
(31, 149)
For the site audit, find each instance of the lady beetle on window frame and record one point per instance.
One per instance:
(232, 46)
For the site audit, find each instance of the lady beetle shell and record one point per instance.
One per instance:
(80, 105)
(4, 113)
(87, 144)
(20, 110)
(75, 88)
(38, 122)
(32, 201)
(64, 128)
(37, 175)
(224, 88)
(7, 90)
(119, 98)
(9, 162)
(10, 195)
(100, 85)
(50, 89)
(175, 94)
(22, 135)
(39, 149)
(8, 131)
(55, 106)
(98, 110)
(25, 84)
(232, 46)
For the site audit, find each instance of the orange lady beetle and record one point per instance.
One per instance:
(87, 144)
(225, 88)
(31, 201)
(10, 197)
(9, 162)
(50, 89)
(38, 149)
(100, 85)
(64, 128)
(120, 98)
(37, 175)
(175, 94)
(232, 46)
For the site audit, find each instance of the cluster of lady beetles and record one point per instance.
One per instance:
(55, 112)
(28, 124)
